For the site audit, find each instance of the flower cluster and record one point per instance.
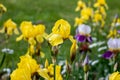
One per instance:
(87, 13)
(32, 33)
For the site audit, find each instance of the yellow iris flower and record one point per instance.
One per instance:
(112, 33)
(9, 27)
(2, 9)
(27, 28)
(26, 68)
(86, 13)
(32, 33)
(50, 71)
(98, 18)
(103, 12)
(60, 32)
(100, 3)
(62, 27)
(80, 5)
(79, 21)
(114, 76)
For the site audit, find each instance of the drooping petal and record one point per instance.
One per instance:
(80, 38)
(114, 76)
(89, 39)
(19, 38)
(108, 55)
(43, 73)
(32, 41)
(28, 63)
(20, 74)
(16, 31)
(39, 38)
(3, 8)
(55, 39)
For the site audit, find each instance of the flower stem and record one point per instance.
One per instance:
(86, 76)
(54, 62)
(67, 75)
(3, 58)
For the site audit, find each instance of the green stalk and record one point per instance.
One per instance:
(3, 58)
(86, 76)
(67, 75)
(54, 62)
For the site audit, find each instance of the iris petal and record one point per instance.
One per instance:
(107, 55)
(80, 38)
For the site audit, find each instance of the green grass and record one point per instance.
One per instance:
(47, 12)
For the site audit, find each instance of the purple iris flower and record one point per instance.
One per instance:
(81, 33)
(114, 44)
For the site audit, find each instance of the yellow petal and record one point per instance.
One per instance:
(43, 73)
(28, 63)
(39, 29)
(55, 39)
(73, 51)
(16, 31)
(20, 74)
(46, 63)
(78, 21)
(19, 38)
(71, 39)
(31, 41)
(58, 73)
(31, 50)
(45, 35)
(10, 23)
(3, 8)
(113, 76)
(39, 38)
(42, 55)
(62, 27)
(27, 29)
(2, 30)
